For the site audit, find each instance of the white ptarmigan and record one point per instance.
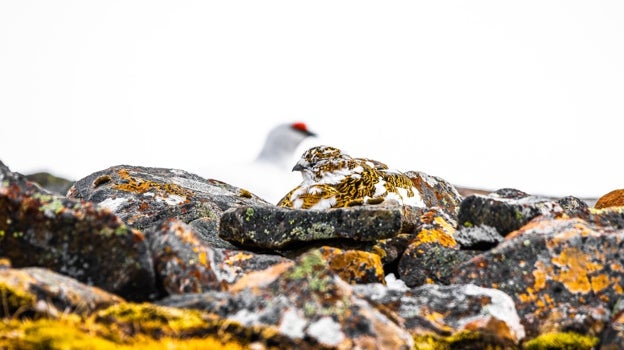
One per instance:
(281, 144)
(267, 175)
(333, 179)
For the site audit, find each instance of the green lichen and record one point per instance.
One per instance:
(321, 230)
(312, 268)
(519, 215)
(562, 340)
(54, 205)
(248, 214)
(468, 224)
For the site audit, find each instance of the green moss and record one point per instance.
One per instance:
(14, 301)
(562, 340)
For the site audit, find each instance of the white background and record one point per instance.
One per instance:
(485, 94)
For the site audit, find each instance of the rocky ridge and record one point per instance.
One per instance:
(143, 257)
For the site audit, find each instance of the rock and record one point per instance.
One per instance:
(184, 263)
(613, 336)
(54, 184)
(143, 196)
(29, 292)
(433, 253)
(614, 198)
(270, 227)
(482, 237)
(354, 266)
(305, 302)
(505, 210)
(72, 237)
(436, 192)
(564, 274)
(450, 317)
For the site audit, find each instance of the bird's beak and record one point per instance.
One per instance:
(310, 133)
(297, 167)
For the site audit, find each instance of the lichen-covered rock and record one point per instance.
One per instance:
(433, 254)
(564, 274)
(28, 292)
(143, 196)
(450, 317)
(614, 198)
(72, 237)
(305, 302)
(482, 237)
(271, 227)
(505, 210)
(354, 266)
(184, 263)
(391, 249)
(436, 192)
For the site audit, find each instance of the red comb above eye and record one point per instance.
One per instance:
(300, 126)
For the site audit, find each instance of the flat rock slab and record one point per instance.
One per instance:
(271, 227)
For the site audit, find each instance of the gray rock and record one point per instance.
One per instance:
(505, 210)
(271, 227)
(72, 237)
(143, 196)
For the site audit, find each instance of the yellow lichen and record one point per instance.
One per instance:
(14, 301)
(575, 267)
(71, 332)
(563, 340)
(458, 340)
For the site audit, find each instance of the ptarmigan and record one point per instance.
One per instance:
(281, 143)
(267, 175)
(333, 179)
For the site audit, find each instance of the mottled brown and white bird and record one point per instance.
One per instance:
(333, 179)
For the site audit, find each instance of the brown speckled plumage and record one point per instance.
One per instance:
(332, 179)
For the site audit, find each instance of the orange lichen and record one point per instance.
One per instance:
(600, 282)
(575, 267)
(354, 266)
(436, 236)
(539, 275)
(240, 256)
(131, 184)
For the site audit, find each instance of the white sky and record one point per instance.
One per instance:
(485, 94)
